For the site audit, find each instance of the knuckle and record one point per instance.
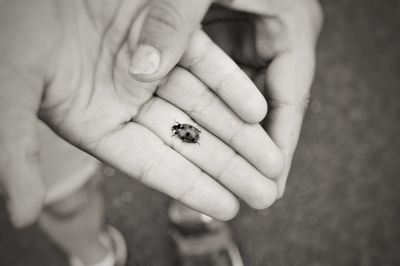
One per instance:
(230, 167)
(236, 135)
(297, 103)
(165, 15)
(202, 103)
(226, 78)
(194, 58)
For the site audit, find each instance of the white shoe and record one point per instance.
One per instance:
(113, 240)
(201, 240)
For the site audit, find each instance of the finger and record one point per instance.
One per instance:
(141, 154)
(137, 151)
(182, 89)
(220, 73)
(20, 175)
(260, 7)
(164, 36)
(212, 155)
(288, 79)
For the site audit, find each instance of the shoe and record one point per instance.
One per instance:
(202, 240)
(113, 240)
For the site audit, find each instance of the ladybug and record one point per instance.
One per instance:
(186, 132)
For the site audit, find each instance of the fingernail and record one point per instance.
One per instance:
(145, 61)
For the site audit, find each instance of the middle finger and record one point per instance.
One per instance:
(188, 93)
(211, 154)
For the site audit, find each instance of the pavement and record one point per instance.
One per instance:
(342, 203)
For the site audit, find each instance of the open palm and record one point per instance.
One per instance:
(83, 91)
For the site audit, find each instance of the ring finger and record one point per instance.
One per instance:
(211, 155)
(205, 107)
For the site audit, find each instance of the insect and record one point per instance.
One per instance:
(186, 132)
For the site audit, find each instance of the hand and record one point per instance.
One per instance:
(68, 62)
(274, 42)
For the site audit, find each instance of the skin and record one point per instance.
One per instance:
(66, 62)
(72, 73)
(274, 42)
(282, 64)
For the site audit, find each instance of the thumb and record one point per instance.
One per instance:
(164, 36)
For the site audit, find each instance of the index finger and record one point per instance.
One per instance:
(251, 141)
(222, 75)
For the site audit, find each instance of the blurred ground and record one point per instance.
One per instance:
(342, 205)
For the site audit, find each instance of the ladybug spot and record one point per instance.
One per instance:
(187, 134)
